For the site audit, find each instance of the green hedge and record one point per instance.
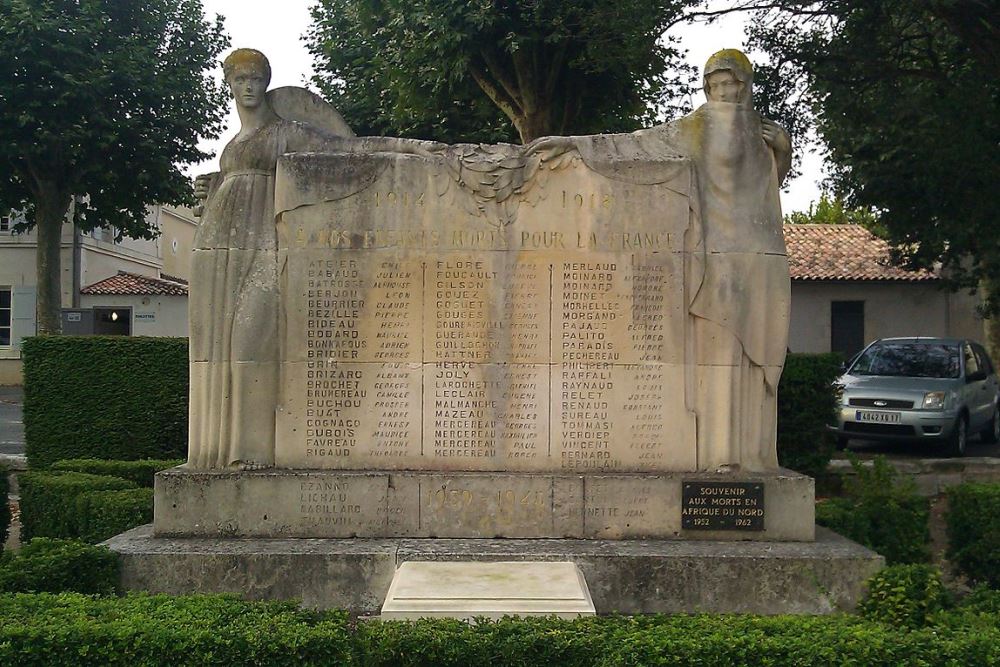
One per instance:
(974, 531)
(4, 505)
(197, 630)
(107, 397)
(139, 472)
(160, 630)
(905, 595)
(46, 565)
(807, 403)
(49, 501)
(882, 511)
(104, 514)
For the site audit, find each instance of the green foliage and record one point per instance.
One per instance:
(72, 629)
(106, 397)
(46, 565)
(451, 70)
(4, 504)
(140, 472)
(807, 403)
(103, 514)
(49, 501)
(906, 98)
(102, 100)
(904, 595)
(46, 629)
(831, 210)
(882, 511)
(974, 531)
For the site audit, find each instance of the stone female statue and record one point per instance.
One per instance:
(233, 303)
(740, 293)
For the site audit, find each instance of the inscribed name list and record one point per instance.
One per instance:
(418, 335)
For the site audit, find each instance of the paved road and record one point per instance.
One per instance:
(11, 426)
(919, 450)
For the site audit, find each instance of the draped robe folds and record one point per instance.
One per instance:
(739, 290)
(233, 303)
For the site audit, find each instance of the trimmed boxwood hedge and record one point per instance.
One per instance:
(807, 403)
(974, 531)
(46, 565)
(103, 514)
(883, 511)
(49, 500)
(107, 397)
(4, 505)
(155, 630)
(139, 472)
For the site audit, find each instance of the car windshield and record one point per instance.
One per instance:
(922, 360)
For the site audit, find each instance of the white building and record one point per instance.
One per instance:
(87, 260)
(846, 293)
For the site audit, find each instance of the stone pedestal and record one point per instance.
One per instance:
(380, 504)
(624, 576)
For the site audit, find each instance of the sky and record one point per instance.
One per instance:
(276, 28)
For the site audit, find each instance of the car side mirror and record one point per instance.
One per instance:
(976, 377)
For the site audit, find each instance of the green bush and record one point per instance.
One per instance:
(196, 630)
(904, 595)
(104, 514)
(974, 531)
(807, 403)
(4, 505)
(46, 565)
(48, 501)
(106, 397)
(882, 511)
(140, 472)
(72, 629)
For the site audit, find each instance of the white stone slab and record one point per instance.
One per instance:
(465, 590)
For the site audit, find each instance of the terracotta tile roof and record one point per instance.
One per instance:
(842, 252)
(126, 283)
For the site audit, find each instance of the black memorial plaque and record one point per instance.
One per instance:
(722, 506)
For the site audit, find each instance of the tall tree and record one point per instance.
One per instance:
(905, 95)
(831, 210)
(101, 100)
(455, 70)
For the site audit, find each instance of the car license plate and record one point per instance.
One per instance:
(877, 417)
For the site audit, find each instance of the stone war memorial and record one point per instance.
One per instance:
(404, 351)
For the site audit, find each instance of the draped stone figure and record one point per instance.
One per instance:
(234, 296)
(739, 290)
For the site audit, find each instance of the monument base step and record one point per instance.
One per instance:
(629, 576)
(278, 503)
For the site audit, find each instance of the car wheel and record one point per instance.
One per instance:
(991, 433)
(842, 443)
(959, 438)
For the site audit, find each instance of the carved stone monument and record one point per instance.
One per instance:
(580, 338)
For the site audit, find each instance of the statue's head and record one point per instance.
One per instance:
(728, 77)
(247, 72)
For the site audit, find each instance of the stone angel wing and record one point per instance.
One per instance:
(304, 106)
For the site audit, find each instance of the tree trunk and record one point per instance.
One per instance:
(535, 124)
(50, 213)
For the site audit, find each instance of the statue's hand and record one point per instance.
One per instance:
(552, 151)
(202, 186)
(776, 137)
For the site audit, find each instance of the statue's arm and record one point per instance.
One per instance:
(777, 138)
(309, 139)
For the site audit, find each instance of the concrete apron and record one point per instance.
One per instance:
(624, 576)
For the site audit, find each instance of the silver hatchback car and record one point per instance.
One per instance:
(905, 389)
